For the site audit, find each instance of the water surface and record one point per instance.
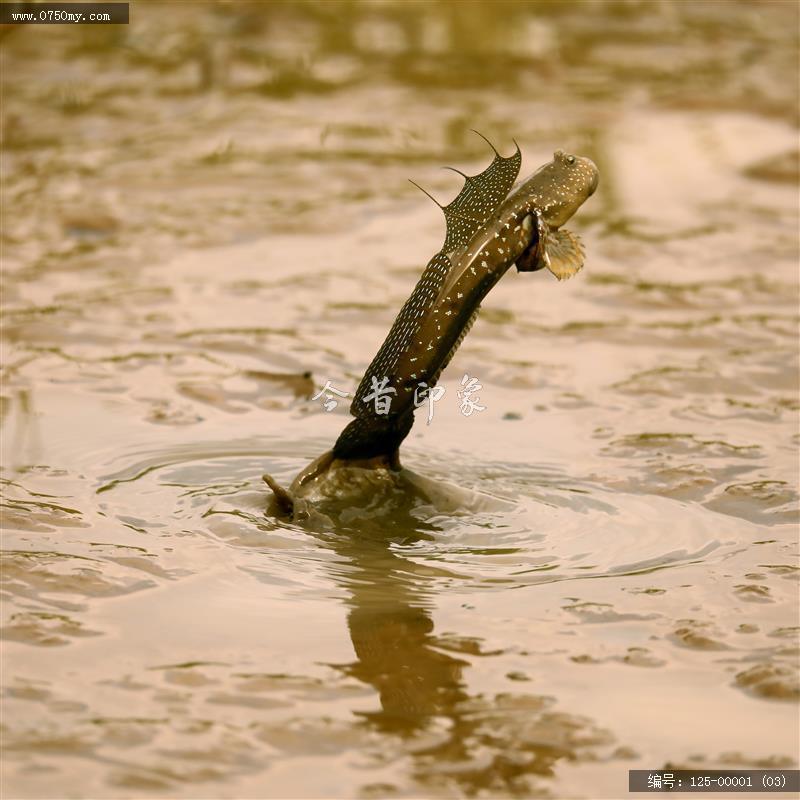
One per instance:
(206, 217)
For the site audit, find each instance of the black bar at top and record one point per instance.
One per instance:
(23, 13)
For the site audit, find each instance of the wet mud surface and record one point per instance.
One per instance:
(206, 217)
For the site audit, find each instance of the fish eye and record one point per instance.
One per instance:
(570, 159)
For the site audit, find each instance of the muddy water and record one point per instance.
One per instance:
(205, 218)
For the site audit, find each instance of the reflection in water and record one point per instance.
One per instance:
(456, 737)
(391, 629)
(17, 411)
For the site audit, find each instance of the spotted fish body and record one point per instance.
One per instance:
(481, 195)
(489, 229)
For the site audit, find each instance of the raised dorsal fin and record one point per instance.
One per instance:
(475, 204)
(479, 198)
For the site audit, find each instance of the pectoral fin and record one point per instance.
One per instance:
(563, 253)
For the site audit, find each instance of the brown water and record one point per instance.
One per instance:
(212, 199)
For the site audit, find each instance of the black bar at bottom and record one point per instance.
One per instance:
(714, 780)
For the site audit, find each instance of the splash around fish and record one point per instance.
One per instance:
(491, 226)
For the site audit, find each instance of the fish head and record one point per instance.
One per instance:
(559, 188)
